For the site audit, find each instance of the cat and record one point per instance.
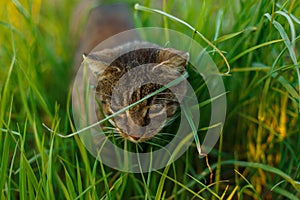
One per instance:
(129, 72)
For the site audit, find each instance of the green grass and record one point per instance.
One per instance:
(257, 156)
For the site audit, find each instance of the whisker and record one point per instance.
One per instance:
(160, 136)
(116, 137)
(164, 134)
(106, 131)
(160, 140)
(154, 144)
(140, 146)
(110, 128)
(168, 123)
(113, 134)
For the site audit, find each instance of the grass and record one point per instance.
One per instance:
(257, 156)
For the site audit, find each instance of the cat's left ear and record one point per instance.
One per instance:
(174, 58)
(98, 61)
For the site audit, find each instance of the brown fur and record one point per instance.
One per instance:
(143, 121)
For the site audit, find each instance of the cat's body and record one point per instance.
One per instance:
(129, 72)
(102, 23)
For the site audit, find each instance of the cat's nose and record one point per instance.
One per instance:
(134, 138)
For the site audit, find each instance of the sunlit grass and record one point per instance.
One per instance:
(259, 154)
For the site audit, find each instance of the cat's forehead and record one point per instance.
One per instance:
(133, 54)
(123, 49)
(130, 46)
(136, 48)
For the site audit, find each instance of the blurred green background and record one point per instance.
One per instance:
(257, 156)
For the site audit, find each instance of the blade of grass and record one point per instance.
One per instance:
(232, 35)
(194, 130)
(5, 160)
(159, 191)
(143, 8)
(231, 196)
(7, 81)
(11, 171)
(219, 23)
(254, 48)
(249, 184)
(147, 192)
(90, 187)
(284, 193)
(290, 44)
(78, 176)
(63, 187)
(70, 184)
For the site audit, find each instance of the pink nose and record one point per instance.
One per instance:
(136, 138)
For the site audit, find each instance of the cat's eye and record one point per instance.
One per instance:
(156, 108)
(117, 69)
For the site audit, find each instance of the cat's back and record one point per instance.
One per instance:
(102, 22)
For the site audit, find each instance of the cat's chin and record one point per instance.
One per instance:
(133, 139)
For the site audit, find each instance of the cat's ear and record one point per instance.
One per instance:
(98, 61)
(173, 58)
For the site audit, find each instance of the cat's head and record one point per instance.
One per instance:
(128, 73)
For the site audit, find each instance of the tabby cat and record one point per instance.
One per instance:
(128, 73)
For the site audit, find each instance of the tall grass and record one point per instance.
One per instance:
(258, 154)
